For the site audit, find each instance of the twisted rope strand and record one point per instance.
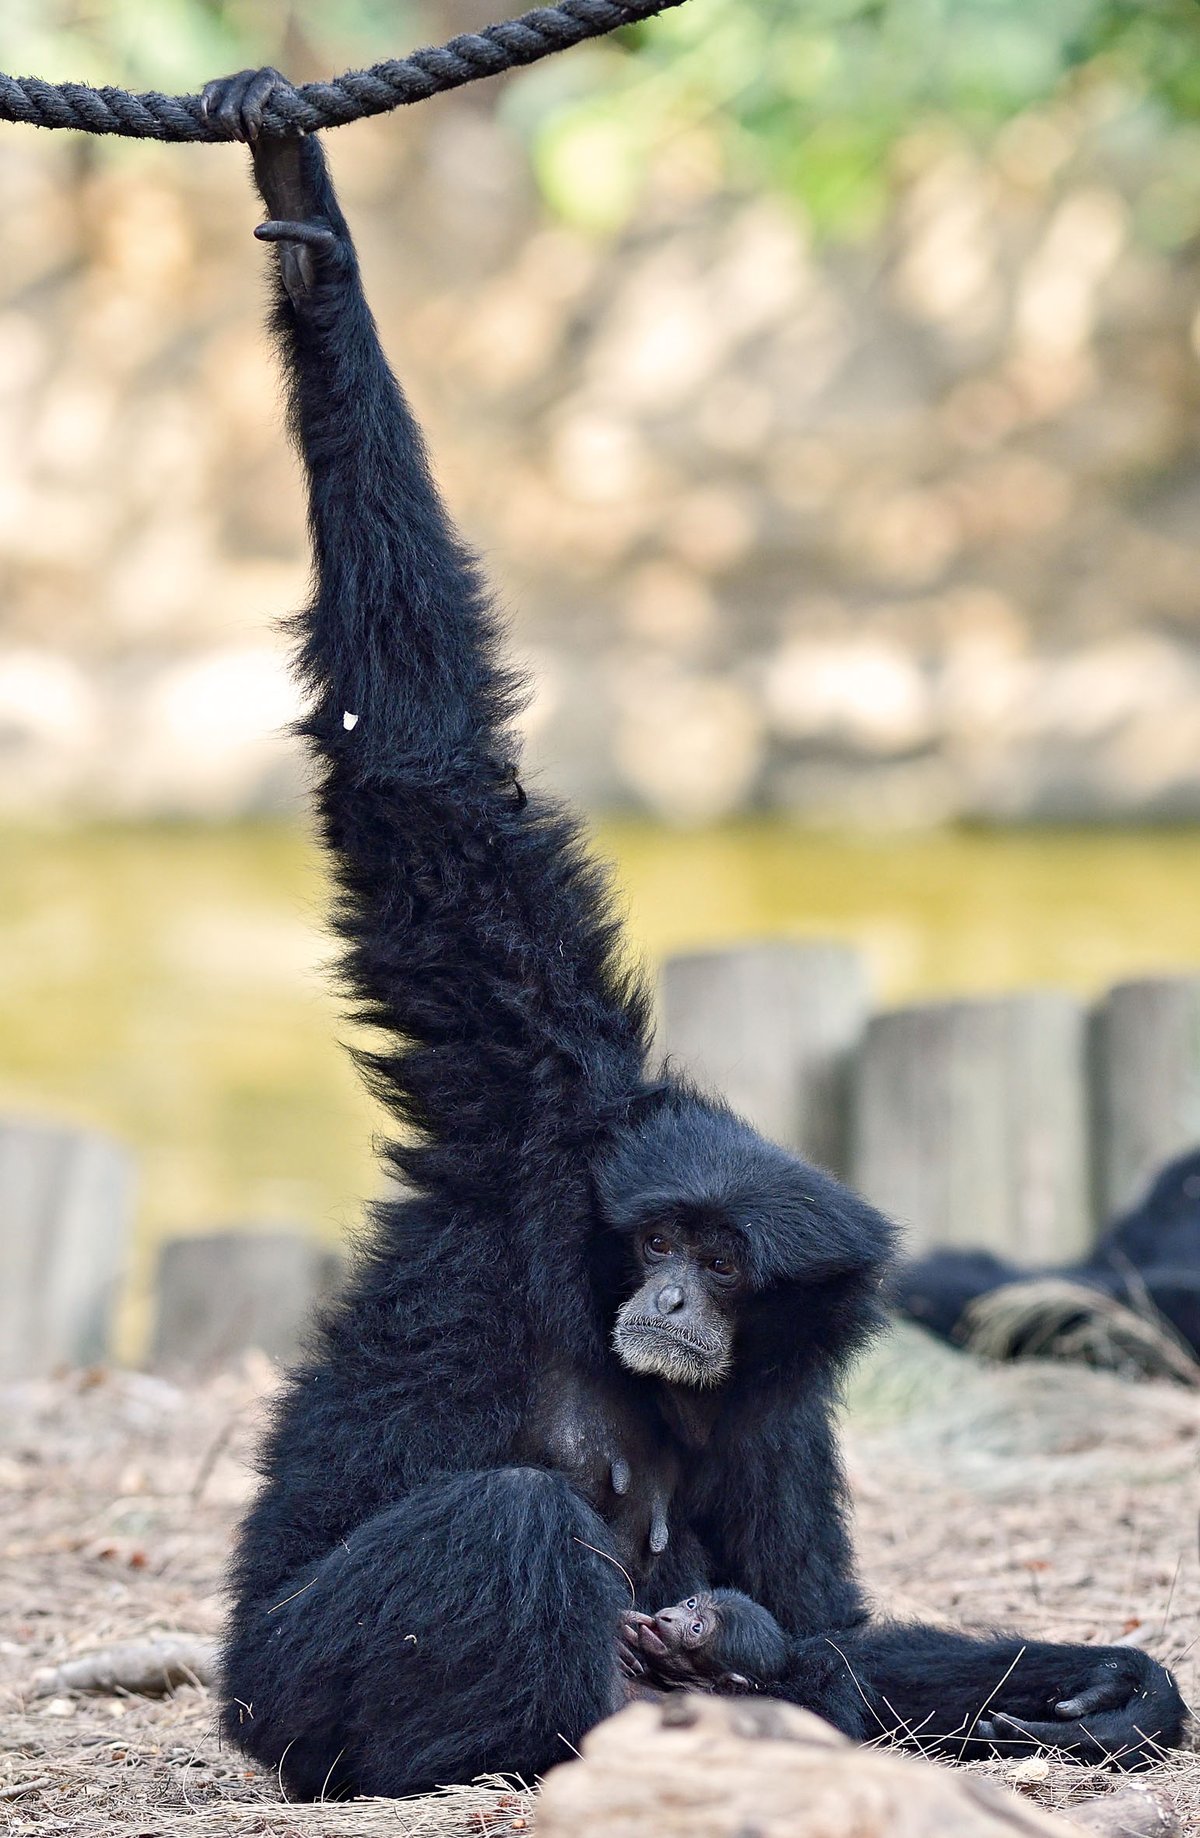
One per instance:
(358, 93)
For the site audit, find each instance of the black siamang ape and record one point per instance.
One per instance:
(719, 1640)
(607, 1333)
(1149, 1254)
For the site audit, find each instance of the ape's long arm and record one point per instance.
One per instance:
(478, 931)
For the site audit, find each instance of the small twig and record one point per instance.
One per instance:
(862, 1694)
(1171, 1594)
(19, 1789)
(275, 1607)
(998, 1686)
(212, 1456)
(610, 1559)
(279, 1770)
(143, 1668)
(329, 1773)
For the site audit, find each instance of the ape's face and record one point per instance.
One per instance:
(688, 1631)
(723, 1636)
(680, 1321)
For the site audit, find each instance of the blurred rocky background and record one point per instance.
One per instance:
(820, 382)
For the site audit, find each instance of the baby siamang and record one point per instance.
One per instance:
(720, 1639)
(606, 1333)
(1149, 1254)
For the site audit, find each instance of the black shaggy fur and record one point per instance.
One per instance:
(1151, 1253)
(417, 1596)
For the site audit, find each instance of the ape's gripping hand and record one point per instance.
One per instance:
(304, 218)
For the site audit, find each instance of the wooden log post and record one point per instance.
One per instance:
(970, 1124)
(220, 1293)
(1145, 1065)
(693, 1766)
(66, 1199)
(772, 1028)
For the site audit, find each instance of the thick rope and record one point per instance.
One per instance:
(329, 105)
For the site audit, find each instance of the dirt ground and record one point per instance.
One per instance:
(1053, 1499)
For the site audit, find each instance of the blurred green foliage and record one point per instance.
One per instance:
(178, 44)
(813, 98)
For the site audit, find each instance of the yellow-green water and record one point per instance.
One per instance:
(167, 983)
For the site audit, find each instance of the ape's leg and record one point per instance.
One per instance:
(468, 1629)
(969, 1697)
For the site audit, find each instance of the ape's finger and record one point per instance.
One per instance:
(315, 235)
(255, 97)
(621, 1475)
(1107, 1695)
(1009, 1731)
(659, 1533)
(1002, 1728)
(223, 102)
(210, 97)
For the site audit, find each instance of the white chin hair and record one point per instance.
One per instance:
(667, 1360)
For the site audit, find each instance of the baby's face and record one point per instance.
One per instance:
(716, 1638)
(689, 1629)
(681, 1641)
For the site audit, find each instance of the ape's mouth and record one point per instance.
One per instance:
(680, 1355)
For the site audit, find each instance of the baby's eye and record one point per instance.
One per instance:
(691, 1602)
(697, 1627)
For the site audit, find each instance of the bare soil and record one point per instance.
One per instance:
(1053, 1499)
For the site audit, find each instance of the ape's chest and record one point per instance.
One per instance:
(602, 1431)
(638, 1458)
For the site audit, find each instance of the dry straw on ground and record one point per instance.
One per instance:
(1054, 1318)
(1047, 1497)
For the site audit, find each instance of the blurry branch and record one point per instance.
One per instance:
(147, 1668)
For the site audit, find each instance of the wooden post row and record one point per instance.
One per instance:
(219, 1293)
(65, 1208)
(1145, 1080)
(970, 1124)
(1009, 1123)
(772, 1028)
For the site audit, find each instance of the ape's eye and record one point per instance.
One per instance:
(691, 1602)
(697, 1627)
(657, 1245)
(723, 1266)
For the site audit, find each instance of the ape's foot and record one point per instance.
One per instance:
(1125, 1710)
